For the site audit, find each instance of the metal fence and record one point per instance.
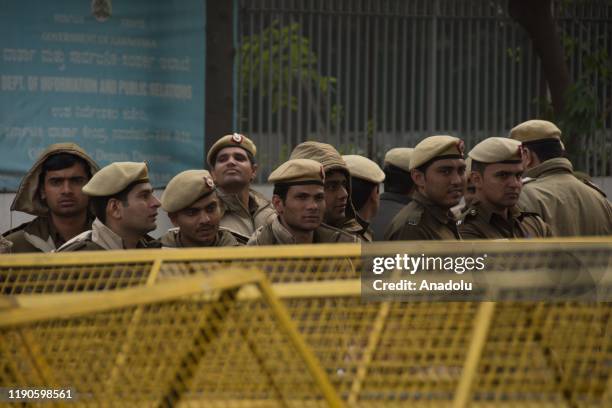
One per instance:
(368, 75)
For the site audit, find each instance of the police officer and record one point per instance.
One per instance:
(438, 171)
(398, 189)
(52, 191)
(339, 211)
(299, 200)
(125, 209)
(366, 177)
(232, 163)
(194, 209)
(570, 206)
(497, 169)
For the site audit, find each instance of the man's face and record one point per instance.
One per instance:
(501, 184)
(443, 181)
(199, 222)
(336, 197)
(140, 213)
(233, 169)
(303, 208)
(62, 190)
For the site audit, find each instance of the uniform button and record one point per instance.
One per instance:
(473, 212)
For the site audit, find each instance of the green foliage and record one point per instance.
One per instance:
(280, 59)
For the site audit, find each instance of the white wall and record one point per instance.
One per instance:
(13, 219)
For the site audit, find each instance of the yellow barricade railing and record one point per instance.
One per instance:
(203, 327)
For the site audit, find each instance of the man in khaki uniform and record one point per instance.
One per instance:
(125, 209)
(193, 207)
(497, 168)
(438, 170)
(570, 206)
(398, 189)
(232, 163)
(299, 200)
(339, 211)
(366, 177)
(52, 191)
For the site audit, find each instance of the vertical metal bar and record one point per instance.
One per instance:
(236, 68)
(366, 82)
(423, 74)
(375, 97)
(413, 74)
(385, 82)
(308, 86)
(329, 17)
(487, 63)
(251, 107)
(274, 145)
(496, 77)
(395, 85)
(513, 82)
(461, 67)
(470, 72)
(433, 69)
(348, 73)
(288, 128)
(270, 125)
(504, 79)
(319, 52)
(260, 105)
(339, 74)
(478, 88)
(309, 358)
(359, 84)
(482, 322)
(405, 88)
(299, 80)
(450, 23)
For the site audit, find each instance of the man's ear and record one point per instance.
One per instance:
(172, 217)
(114, 209)
(277, 202)
(374, 195)
(418, 177)
(255, 167)
(477, 179)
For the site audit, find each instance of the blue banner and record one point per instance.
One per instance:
(123, 79)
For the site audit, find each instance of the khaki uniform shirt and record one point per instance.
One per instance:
(390, 205)
(38, 235)
(171, 239)
(480, 222)
(422, 220)
(101, 238)
(571, 207)
(276, 234)
(243, 222)
(359, 228)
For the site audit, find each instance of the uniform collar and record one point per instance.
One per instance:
(551, 166)
(281, 234)
(105, 237)
(234, 204)
(443, 215)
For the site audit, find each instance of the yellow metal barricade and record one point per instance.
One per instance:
(411, 353)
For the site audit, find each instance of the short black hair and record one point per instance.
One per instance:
(478, 166)
(60, 161)
(281, 190)
(361, 190)
(397, 180)
(546, 149)
(251, 158)
(99, 203)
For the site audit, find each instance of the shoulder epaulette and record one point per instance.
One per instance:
(415, 215)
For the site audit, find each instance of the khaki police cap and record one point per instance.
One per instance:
(185, 189)
(399, 157)
(364, 168)
(534, 130)
(115, 177)
(436, 147)
(297, 171)
(497, 149)
(233, 140)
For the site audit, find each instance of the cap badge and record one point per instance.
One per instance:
(237, 138)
